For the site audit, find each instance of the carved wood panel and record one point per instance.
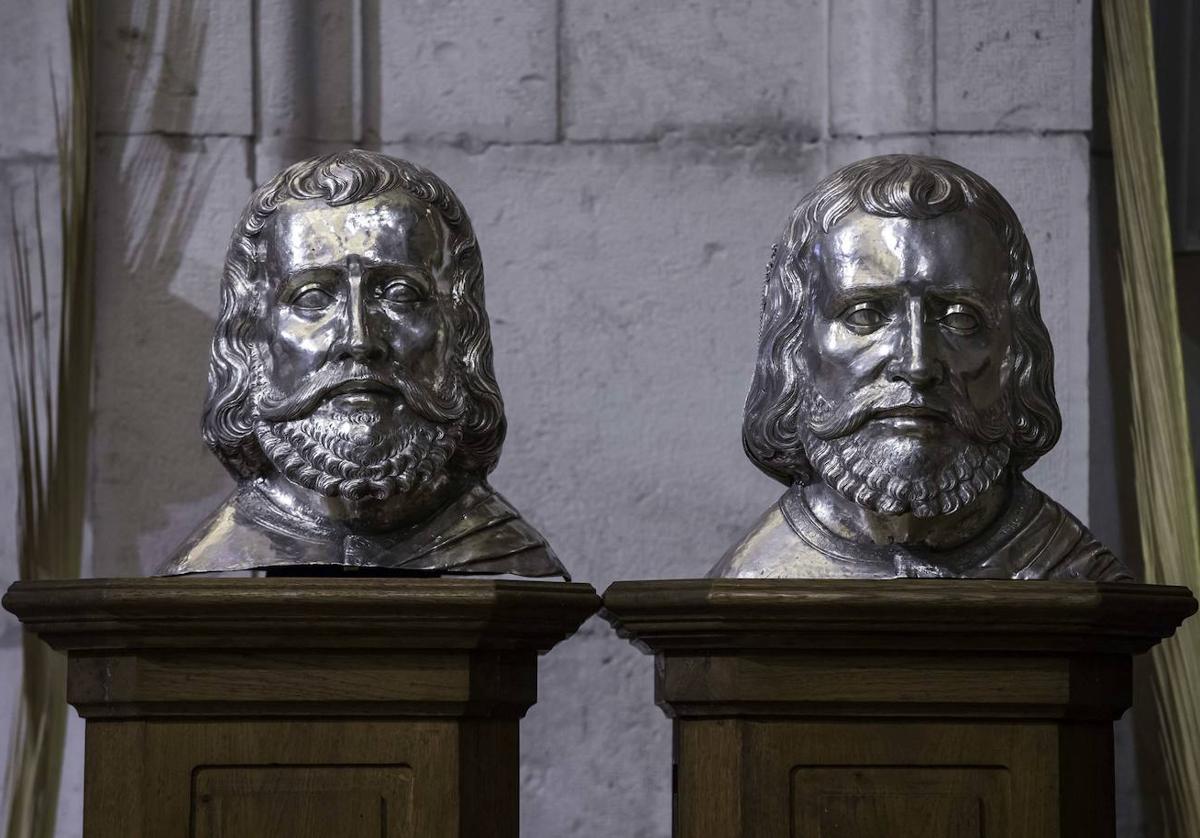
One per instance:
(900, 802)
(302, 801)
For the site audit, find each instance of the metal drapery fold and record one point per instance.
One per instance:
(1166, 486)
(51, 364)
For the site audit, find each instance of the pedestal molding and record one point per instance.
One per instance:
(930, 614)
(317, 613)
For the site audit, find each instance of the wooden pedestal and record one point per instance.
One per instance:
(301, 708)
(906, 709)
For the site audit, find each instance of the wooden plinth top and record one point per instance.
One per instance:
(919, 614)
(291, 613)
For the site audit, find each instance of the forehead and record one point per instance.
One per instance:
(391, 228)
(958, 249)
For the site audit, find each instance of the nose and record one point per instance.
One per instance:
(360, 341)
(914, 363)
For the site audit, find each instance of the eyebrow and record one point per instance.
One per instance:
(300, 272)
(339, 266)
(962, 292)
(373, 266)
(840, 296)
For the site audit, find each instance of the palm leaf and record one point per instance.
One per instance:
(51, 386)
(1165, 482)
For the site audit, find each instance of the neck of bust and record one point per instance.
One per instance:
(369, 515)
(859, 525)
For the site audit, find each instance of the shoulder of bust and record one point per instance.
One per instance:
(483, 533)
(227, 540)
(1060, 547)
(772, 548)
(479, 533)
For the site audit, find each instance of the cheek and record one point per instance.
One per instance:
(984, 369)
(290, 334)
(839, 360)
(295, 346)
(414, 334)
(420, 341)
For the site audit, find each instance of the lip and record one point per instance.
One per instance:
(912, 413)
(360, 387)
(359, 390)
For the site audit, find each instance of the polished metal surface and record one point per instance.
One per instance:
(904, 384)
(351, 391)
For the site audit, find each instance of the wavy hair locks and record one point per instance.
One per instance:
(346, 177)
(891, 186)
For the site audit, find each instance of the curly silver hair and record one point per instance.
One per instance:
(346, 177)
(891, 186)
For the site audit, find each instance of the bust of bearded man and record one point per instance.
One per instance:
(904, 384)
(350, 388)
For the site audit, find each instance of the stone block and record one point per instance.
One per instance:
(845, 150)
(624, 283)
(35, 60)
(637, 69)
(596, 713)
(880, 66)
(174, 67)
(310, 70)
(165, 211)
(486, 71)
(1023, 64)
(1045, 178)
(274, 154)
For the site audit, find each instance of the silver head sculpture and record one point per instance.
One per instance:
(904, 384)
(350, 386)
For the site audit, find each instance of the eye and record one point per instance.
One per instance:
(960, 319)
(311, 298)
(865, 316)
(401, 291)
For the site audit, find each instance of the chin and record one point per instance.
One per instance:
(906, 456)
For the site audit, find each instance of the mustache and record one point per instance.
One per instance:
(317, 387)
(866, 404)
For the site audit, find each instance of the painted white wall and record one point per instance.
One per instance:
(627, 164)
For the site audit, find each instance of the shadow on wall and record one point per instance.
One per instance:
(152, 206)
(147, 61)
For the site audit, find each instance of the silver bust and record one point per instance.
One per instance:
(904, 383)
(350, 386)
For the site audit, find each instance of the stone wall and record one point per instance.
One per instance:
(627, 164)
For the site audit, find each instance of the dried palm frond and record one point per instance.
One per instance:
(51, 386)
(1166, 485)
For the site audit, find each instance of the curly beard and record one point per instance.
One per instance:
(869, 476)
(894, 477)
(358, 455)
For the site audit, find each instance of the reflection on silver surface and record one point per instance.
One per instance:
(351, 390)
(904, 384)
